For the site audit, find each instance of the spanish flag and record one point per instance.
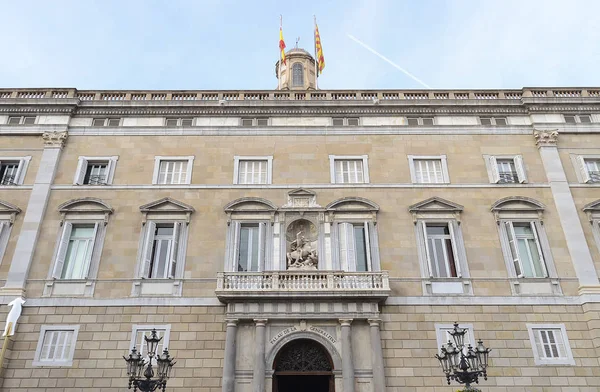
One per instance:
(319, 50)
(281, 45)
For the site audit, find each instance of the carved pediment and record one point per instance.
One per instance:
(436, 204)
(301, 198)
(592, 210)
(86, 207)
(167, 207)
(8, 211)
(517, 203)
(250, 204)
(352, 204)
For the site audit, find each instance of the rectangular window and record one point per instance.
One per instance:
(419, 121)
(13, 170)
(493, 120)
(140, 331)
(56, 345)
(250, 247)
(578, 118)
(95, 170)
(179, 122)
(428, 171)
(355, 250)
(345, 121)
(161, 248)
(592, 167)
(106, 122)
(505, 169)
(525, 249)
(21, 120)
(507, 173)
(172, 170)
(255, 122)
(75, 250)
(349, 169)
(440, 249)
(252, 172)
(550, 344)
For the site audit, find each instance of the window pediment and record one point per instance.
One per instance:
(301, 198)
(436, 207)
(352, 204)
(592, 210)
(85, 208)
(8, 211)
(250, 208)
(167, 208)
(517, 207)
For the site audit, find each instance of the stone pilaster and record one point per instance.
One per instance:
(377, 356)
(546, 141)
(230, 355)
(36, 208)
(347, 361)
(258, 382)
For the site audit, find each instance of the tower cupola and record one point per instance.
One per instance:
(298, 72)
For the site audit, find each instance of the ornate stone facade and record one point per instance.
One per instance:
(358, 226)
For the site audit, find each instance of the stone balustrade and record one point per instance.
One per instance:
(311, 95)
(302, 283)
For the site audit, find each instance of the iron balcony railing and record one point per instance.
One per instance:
(508, 178)
(96, 180)
(594, 176)
(8, 180)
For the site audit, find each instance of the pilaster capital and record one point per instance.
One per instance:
(260, 322)
(374, 322)
(232, 322)
(545, 138)
(55, 139)
(346, 322)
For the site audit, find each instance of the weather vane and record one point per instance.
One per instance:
(297, 40)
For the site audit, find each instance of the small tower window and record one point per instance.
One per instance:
(297, 75)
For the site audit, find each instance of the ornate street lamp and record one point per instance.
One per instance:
(464, 364)
(140, 371)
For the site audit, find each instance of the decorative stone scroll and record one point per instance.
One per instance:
(55, 139)
(545, 138)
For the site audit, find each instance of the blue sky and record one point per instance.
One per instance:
(233, 44)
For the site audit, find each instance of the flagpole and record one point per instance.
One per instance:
(316, 58)
(279, 55)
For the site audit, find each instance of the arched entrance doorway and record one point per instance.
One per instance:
(303, 365)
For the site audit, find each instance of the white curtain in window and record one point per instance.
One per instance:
(428, 171)
(252, 172)
(56, 345)
(550, 343)
(172, 172)
(525, 248)
(349, 171)
(354, 246)
(75, 251)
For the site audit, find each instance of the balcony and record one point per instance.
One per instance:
(302, 285)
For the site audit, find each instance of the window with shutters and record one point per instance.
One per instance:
(442, 334)
(493, 120)
(56, 345)
(21, 120)
(428, 169)
(172, 170)
(13, 170)
(253, 170)
(440, 245)
(297, 75)
(161, 247)
(588, 168)
(524, 243)
(550, 344)
(179, 122)
(95, 170)
(78, 248)
(249, 235)
(578, 118)
(349, 169)
(354, 235)
(139, 331)
(505, 169)
(419, 121)
(8, 214)
(106, 122)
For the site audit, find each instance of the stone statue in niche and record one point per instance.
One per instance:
(302, 255)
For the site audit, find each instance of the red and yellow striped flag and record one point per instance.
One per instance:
(282, 45)
(319, 49)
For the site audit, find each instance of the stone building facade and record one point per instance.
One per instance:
(348, 228)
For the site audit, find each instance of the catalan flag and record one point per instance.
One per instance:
(319, 51)
(281, 45)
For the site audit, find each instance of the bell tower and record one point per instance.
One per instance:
(298, 72)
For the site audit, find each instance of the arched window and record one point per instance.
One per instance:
(297, 75)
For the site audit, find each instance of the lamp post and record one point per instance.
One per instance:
(140, 370)
(464, 364)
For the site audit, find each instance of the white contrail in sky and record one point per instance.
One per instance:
(413, 77)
